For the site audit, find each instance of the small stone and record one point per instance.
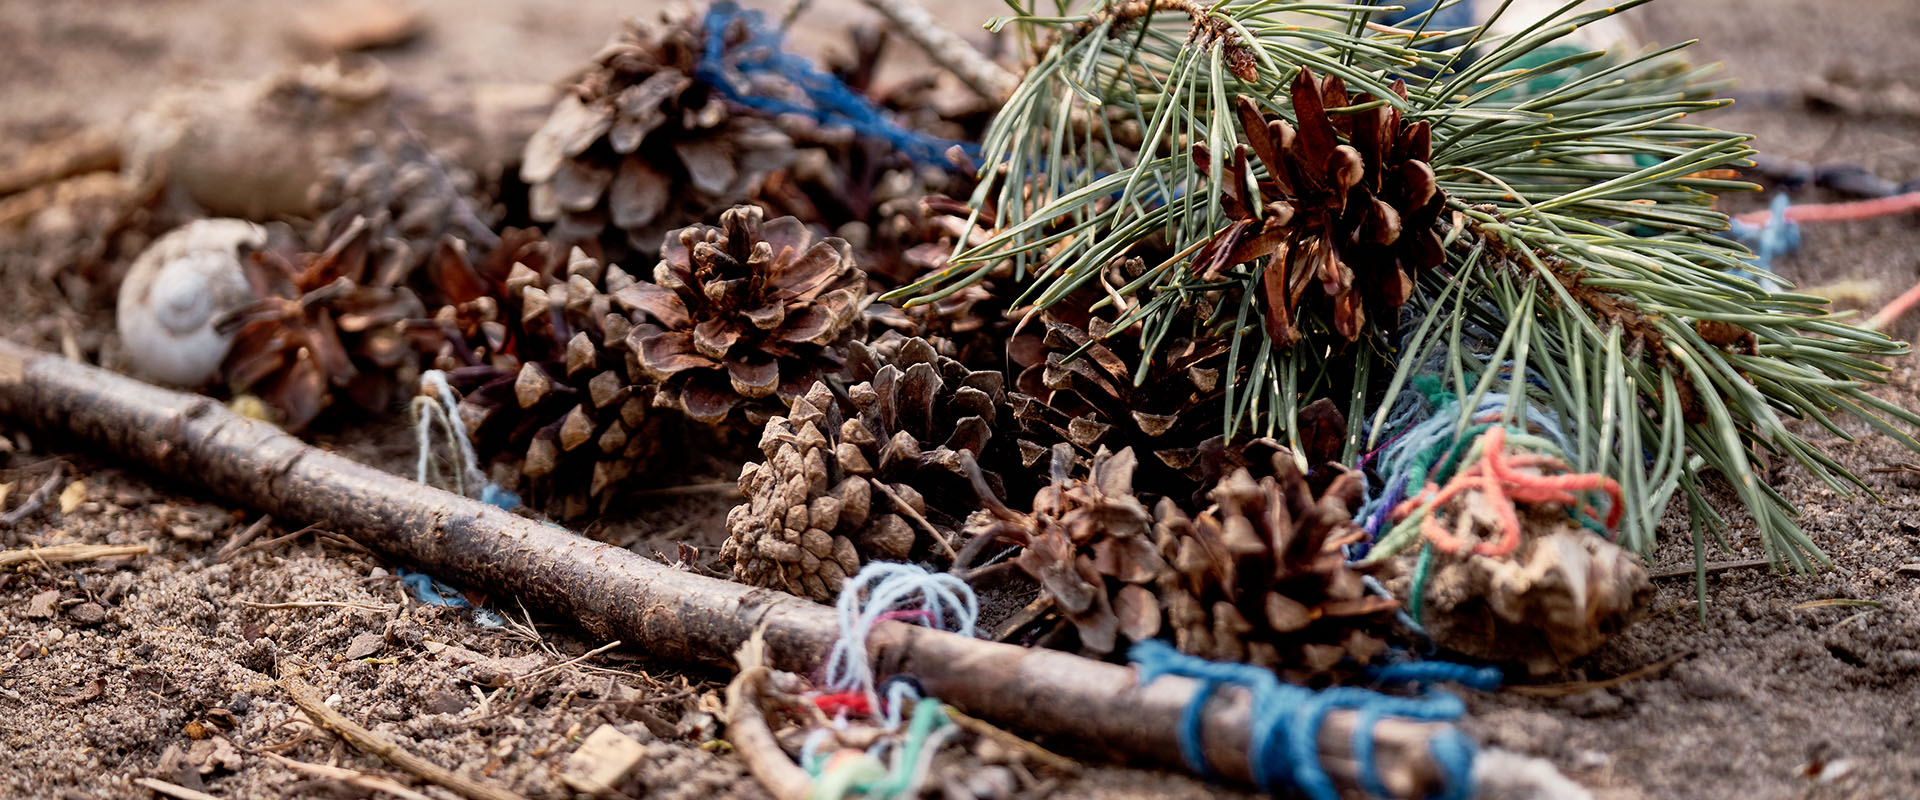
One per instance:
(195, 730)
(603, 761)
(364, 645)
(72, 496)
(42, 604)
(446, 702)
(1593, 703)
(87, 614)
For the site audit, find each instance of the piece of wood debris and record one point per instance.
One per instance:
(305, 696)
(372, 783)
(35, 501)
(173, 790)
(67, 553)
(603, 761)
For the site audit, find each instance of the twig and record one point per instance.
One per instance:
(91, 150)
(303, 694)
(1577, 687)
(67, 553)
(1712, 567)
(571, 661)
(319, 604)
(900, 505)
(751, 737)
(173, 790)
(1033, 751)
(674, 614)
(952, 53)
(373, 783)
(242, 538)
(35, 501)
(262, 545)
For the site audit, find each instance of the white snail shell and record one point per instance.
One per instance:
(175, 291)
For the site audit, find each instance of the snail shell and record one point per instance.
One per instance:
(175, 291)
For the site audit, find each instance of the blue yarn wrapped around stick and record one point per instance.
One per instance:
(1283, 748)
(827, 100)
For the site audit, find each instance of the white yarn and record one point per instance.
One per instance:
(881, 587)
(447, 412)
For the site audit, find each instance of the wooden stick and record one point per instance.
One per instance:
(303, 694)
(987, 79)
(673, 614)
(67, 553)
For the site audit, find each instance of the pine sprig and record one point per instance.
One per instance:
(1586, 266)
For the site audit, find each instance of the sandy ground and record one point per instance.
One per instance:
(159, 665)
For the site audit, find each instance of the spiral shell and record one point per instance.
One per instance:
(174, 293)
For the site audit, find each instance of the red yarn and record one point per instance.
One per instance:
(1496, 476)
(1835, 212)
(844, 702)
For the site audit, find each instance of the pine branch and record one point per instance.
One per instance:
(1585, 268)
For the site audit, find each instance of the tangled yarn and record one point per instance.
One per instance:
(1283, 747)
(826, 100)
(440, 406)
(1497, 475)
(879, 591)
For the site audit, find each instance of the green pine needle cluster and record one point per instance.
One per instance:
(1586, 267)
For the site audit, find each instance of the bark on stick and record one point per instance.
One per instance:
(1094, 707)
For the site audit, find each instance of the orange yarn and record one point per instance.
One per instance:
(1496, 476)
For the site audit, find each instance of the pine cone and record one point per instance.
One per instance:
(745, 316)
(328, 324)
(1261, 576)
(861, 476)
(1090, 545)
(640, 146)
(1081, 390)
(1360, 218)
(410, 198)
(539, 352)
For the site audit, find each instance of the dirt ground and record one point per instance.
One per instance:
(159, 665)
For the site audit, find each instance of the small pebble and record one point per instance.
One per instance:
(87, 614)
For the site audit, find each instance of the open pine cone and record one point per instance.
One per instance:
(538, 350)
(1081, 391)
(1089, 543)
(1262, 577)
(745, 316)
(1360, 219)
(327, 324)
(640, 146)
(864, 475)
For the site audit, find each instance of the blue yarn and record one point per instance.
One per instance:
(828, 100)
(492, 494)
(1285, 723)
(1778, 237)
(432, 592)
(1412, 672)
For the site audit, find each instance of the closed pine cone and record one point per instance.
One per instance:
(410, 197)
(327, 325)
(639, 146)
(859, 477)
(746, 316)
(1262, 577)
(538, 350)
